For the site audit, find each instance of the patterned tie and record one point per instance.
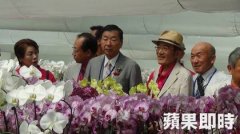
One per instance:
(200, 91)
(108, 68)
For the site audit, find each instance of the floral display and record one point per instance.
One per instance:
(32, 106)
(58, 68)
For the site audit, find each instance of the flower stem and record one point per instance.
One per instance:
(71, 117)
(35, 111)
(16, 116)
(5, 121)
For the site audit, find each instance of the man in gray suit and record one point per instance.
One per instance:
(113, 63)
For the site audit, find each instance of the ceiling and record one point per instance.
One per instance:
(55, 23)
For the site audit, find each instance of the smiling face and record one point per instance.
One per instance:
(166, 54)
(78, 54)
(202, 58)
(111, 43)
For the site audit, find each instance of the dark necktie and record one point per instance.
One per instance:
(200, 91)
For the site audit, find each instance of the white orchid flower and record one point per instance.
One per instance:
(46, 84)
(17, 97)
(35, 92)
(10, 82)
(54, 121)
(68, 88)
(28, 72)
(8, 65)
(55, 93)
(31, 128)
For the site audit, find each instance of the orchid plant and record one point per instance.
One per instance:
(99, 106)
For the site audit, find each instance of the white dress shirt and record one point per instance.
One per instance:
(213, 81)
(111, 61)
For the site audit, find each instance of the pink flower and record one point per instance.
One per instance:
(95, 107)
(86, 118)
(110, 115)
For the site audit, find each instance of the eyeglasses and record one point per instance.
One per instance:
(75, 50)
(162, 48)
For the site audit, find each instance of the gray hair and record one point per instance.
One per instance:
(212, 50)
(234, 56)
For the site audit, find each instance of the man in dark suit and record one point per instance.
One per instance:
(113, 63)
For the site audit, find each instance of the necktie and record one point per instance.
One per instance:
(108, 68)
(200, 91)
(81, 73)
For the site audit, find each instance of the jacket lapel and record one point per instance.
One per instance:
(118, 63)
(170, 80)
(100, 67)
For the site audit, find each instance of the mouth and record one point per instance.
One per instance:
(196, 66)
(108, 49)
(160, 57)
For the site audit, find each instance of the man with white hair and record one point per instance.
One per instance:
(208, 79)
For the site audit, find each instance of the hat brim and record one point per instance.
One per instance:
(168, 42)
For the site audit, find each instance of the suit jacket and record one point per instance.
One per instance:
(179, 82)
(72, 72)
(128, 76)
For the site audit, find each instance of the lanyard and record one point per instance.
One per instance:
(102, 68)
(205, 86)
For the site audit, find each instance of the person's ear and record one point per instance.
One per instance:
(213, 59)
(89, 53)
(229, 67)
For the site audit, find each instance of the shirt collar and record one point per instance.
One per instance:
(208, 74)
(112, 61)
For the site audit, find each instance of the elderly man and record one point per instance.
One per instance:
(234, 68)
(113, 63)
(171, 77)
(84, 49)
(208, 79)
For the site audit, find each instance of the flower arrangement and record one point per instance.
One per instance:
(101, 107)
(57, 67)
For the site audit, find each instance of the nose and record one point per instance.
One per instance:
(34, 56)
(159, 51)
(108, 42)
(194, 60)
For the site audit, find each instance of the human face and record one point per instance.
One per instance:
(235, 72)
(30, 57)
(78, 54)
(111, 43)
(166, 54)
(201, 58)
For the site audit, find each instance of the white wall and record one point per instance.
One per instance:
(58, 46)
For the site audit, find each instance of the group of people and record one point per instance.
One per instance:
(97, 55)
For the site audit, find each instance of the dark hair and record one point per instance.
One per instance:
(233, 57)
(98, 29)
(20, 47)
(89, 43)
(112, 27)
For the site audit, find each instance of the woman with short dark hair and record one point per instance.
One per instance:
(27, 51)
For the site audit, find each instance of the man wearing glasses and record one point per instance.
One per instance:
(171, 77)
(85, 48)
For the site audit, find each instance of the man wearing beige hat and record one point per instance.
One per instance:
(171, 77)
